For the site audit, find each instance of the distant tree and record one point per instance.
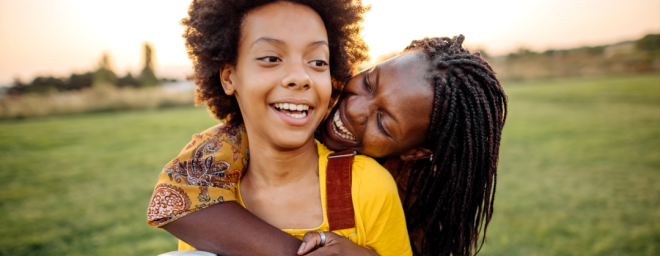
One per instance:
(80, 81)
(549, 52)
(128, 81)
(17, 87)
(147, 76)
(45, 85)
(591, 50)
(650, 43)
(104, 74)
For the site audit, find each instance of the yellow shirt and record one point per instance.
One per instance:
(379, 220)
(208, 171)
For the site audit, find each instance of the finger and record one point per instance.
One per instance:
(330, 237)
(324, 251)
(310, 240)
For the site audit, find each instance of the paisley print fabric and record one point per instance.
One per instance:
(168, 200)
(205, 173)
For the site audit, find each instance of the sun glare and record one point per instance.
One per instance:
(58, 37)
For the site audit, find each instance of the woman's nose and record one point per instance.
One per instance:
(296, 76)
(357, 109)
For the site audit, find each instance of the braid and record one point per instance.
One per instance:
(450, 199)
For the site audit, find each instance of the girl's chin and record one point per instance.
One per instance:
(292, 140)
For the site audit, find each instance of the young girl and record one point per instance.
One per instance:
(279, 80)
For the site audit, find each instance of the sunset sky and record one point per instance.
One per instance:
(57, 37)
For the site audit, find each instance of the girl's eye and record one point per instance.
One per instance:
(319, 63)
(270, 59)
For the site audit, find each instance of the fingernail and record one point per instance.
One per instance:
(302, 247)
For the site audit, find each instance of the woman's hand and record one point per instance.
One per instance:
(334, 245)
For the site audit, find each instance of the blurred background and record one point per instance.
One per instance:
(94, 102)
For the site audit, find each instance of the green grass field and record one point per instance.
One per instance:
(579, 173)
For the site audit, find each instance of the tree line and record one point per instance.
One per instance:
(629, 57)
(102, 76)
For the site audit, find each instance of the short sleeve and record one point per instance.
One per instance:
(203, 174)
(383, 217)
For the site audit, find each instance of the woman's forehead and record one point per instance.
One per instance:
(407, 69)
(404, 91)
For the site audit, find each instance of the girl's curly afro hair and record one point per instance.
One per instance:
(213, 29)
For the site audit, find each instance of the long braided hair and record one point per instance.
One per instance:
(449, 199)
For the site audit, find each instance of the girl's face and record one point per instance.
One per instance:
(281, 79)
(384, 110)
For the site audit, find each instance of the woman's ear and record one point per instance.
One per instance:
(227, 78)
(416, 154)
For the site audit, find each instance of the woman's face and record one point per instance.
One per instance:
(281, 79)
(385, 110)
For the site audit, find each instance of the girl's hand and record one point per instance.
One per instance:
(334, 245)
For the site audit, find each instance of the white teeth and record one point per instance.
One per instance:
(291, 106)
(304, 114)
(339, 126)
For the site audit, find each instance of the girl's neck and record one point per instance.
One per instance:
(282, 186)
(273, 167)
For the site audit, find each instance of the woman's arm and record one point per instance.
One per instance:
(334, 245)
(229, 229)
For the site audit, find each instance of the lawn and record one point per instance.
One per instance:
(579, 169)
(579, 173)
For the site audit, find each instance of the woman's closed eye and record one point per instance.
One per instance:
(366, 84)
(381, 127)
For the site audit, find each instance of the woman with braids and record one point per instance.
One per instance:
(441, 110)
(436, 107)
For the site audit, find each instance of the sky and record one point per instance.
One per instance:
(57, 37)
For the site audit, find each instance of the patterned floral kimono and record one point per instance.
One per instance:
(198, 177)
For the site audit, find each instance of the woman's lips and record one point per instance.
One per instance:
(339, 129)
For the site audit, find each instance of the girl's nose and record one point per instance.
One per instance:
(296, 77)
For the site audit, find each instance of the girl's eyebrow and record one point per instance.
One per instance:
(269, 40)
(274, 41)
(322, 42)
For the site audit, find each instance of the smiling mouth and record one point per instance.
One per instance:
(339, 129)
(292, 110)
